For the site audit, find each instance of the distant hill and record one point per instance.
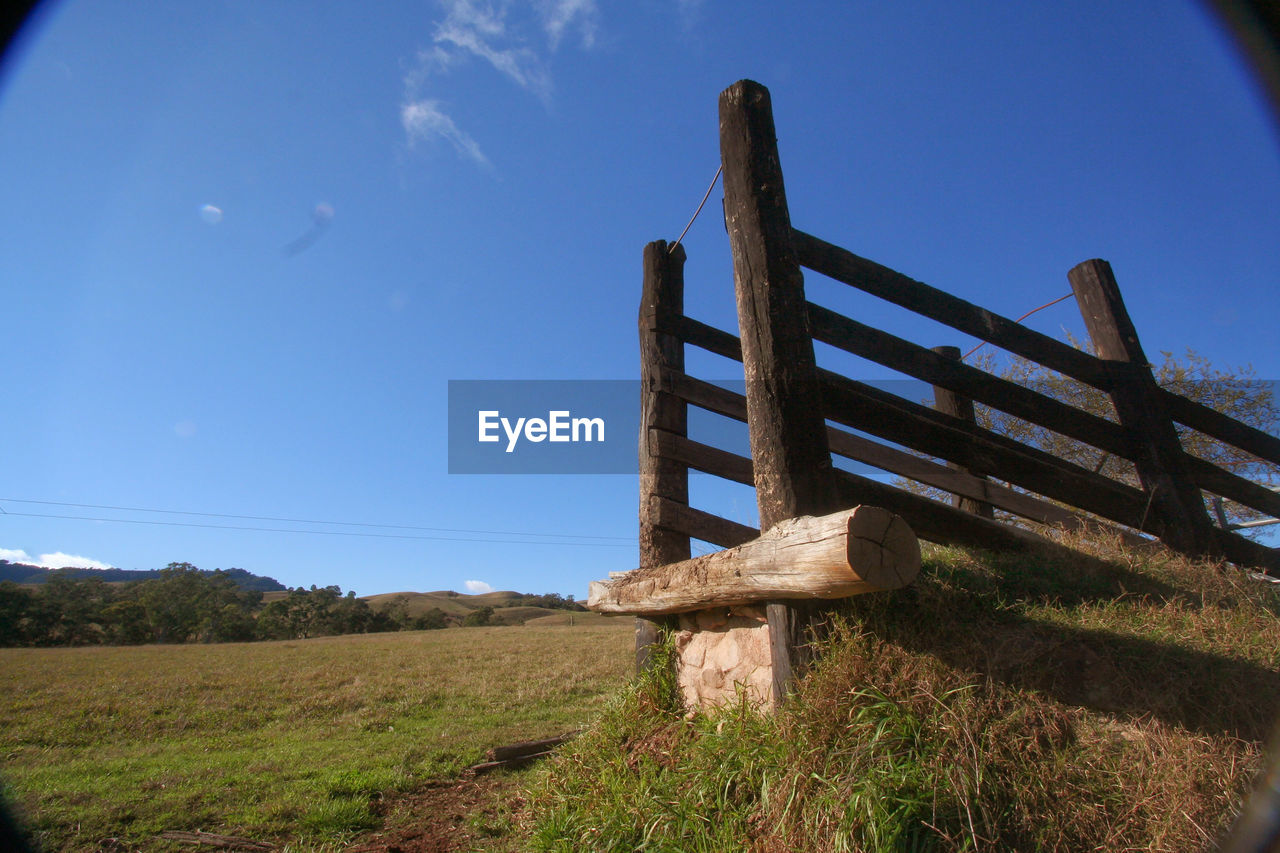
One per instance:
(510, 608)
(24, 573)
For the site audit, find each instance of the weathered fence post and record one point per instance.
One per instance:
(792, 463)
(950, 403)
(1173, 497)
(662, 294)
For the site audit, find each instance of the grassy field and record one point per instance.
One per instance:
(1113, 702)
(284, 741)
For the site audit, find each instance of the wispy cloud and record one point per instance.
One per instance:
(56, 560)
(561, 15)
(425, 120)
(477, 587)
(482, 31)
(514, 39)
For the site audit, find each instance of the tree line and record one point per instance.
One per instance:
(182, 604)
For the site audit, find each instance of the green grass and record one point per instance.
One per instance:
(292, 741)
(1001, 703)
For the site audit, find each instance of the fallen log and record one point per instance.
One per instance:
(847, 553)
(518, 754)
(530, 747)
(508, 763)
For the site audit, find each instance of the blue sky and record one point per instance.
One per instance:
(245, 246)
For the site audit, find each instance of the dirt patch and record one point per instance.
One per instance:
(469, 814)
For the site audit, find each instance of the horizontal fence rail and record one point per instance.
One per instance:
(906, 357)
(854, 447)
(892, 286)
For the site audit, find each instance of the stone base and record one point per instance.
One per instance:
(718, 650)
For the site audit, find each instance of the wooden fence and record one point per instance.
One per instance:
(789, 403)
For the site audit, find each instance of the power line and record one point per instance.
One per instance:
(304, 520)
(321, 532)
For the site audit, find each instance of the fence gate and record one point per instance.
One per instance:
(744, 616)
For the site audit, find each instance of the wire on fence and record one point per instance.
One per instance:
(705, 196)
(1019, 320)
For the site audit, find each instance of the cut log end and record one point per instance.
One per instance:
(883, 549)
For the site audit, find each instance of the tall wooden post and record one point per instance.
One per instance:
(1174, 498)
(663, 294)
(792, 463)
(950, 403)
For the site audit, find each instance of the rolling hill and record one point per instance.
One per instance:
(510, 608)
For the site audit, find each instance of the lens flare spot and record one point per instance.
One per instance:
(210, 214)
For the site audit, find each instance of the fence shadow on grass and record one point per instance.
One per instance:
(984, 622)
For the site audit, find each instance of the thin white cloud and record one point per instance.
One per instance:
(427, 64)
(481, 30)
(515, 39)
(424, 120)
(560, 15)
(56, 560)
(477, 587)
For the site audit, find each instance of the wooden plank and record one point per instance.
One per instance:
(1233, 487)
(857, 396)
(1226, 429)
(1246, 552)
(851, 552)
(700, 524)
(793, 471)
(531, 747)
(879, 413)
(703, 457)
(892, 286)
(957, 406)
(509, 763)
(957, 481)
(701, 335)
(725, 402)
(788, 436)
(938, 522)
(1161, 465)
(662, 293)
(963, 382)
(704, 395)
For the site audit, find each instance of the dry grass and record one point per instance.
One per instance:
(1109, 702)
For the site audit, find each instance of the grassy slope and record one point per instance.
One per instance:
(1000, 703)
(453, 603)
(282, 740)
